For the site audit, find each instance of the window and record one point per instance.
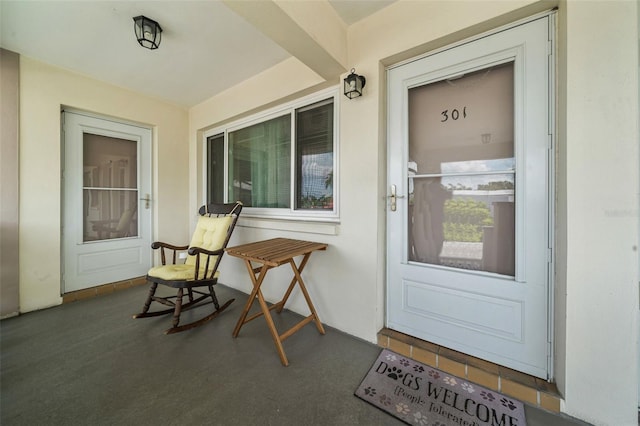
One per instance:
(215, 169)
(314, 157)
(279, 165)
(260, 164)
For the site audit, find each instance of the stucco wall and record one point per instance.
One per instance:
(600, 215)
(346, 272)
(43, 90)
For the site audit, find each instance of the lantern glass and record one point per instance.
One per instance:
(353, 85)
(148, 32)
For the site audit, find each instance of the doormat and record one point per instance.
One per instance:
(421, 395)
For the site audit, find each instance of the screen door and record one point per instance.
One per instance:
(107, 201)
(468, 212)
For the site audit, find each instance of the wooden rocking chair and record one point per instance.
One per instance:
(200, 269)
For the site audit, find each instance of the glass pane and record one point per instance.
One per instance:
(110, 214)
(260, 164)
(110, 162)
(314, 157)
(462, 172)
(110, 195)
(469, 118)
(215, 169)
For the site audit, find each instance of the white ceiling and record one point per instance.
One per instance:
(205, 49)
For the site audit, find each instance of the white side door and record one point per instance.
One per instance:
(107, 208)
(468, 228)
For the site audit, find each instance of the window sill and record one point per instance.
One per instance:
(293, 225)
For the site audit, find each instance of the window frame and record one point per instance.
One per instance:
(288, 108)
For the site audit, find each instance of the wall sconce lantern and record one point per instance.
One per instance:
(148, 32)
(353, 85)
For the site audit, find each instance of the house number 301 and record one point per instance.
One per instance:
(454, 114)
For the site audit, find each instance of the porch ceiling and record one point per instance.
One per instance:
(207, 46)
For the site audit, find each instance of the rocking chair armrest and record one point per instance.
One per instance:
(159, 244)
(196, 250)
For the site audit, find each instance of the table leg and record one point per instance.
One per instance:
(272, 329)
(257, 282)
(257, 278)
(293, 282)
(298, 278)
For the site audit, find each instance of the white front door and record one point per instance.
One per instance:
(107, 201)
(469, 212)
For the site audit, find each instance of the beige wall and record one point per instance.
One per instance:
(599, 216)
(44, 90)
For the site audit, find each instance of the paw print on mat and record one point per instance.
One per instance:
(450, 381)
(394, 373)
(391, 357)
(369, 391)
(385, 400)
(468, 387)
(508, 403)
(404, 362)
(434, 374)
(488, 396)
(418, 368)
(420, 419)
(402, 408)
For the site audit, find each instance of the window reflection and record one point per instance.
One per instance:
(464, 222)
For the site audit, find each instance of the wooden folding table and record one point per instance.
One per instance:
(271, 254)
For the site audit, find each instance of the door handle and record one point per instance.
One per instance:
(394, 198)
(147, 200)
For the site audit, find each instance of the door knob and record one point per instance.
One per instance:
(147, 200)
(394, 198)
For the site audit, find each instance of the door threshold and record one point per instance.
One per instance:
(90, 292)
(529, 389)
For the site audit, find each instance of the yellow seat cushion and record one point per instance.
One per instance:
(209, 234)
(175, 272)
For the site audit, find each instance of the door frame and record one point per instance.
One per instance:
(145, 229)
(551, 162)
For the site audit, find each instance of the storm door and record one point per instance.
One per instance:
(107, 201)
(469, 205)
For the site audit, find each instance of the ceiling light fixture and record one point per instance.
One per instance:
(148, 32)
(353, 84)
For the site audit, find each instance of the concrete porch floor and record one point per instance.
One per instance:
(89, 363)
